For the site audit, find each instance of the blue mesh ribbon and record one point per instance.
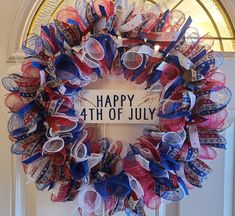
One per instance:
(32, 158)
(66, 69)
(168, 163)
(80, 170)
(109, 47)
(177, 82)
(163, 20)
(182, 32)
(154, 76)
(114, 185)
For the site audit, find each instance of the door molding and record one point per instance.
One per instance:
(23, 18)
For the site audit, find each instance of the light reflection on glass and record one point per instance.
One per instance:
(208, 16)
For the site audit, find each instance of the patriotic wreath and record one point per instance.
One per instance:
(147, 46)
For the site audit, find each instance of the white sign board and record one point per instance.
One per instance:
(118, 106)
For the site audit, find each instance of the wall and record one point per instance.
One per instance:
(8, 11)
(37, 202)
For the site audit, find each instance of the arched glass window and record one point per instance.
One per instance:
(209, 16)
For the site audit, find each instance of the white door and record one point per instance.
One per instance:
(17, 198)
(214, 199)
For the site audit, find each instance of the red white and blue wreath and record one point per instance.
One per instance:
(147, 46)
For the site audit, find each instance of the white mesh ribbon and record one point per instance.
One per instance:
(89, 200)
(79, 151)
(174, 139)
(94, 159)
(146, 153)
(94, 49)
(135, 186)
(142, 161)
(132, 24)
(53, 145)
(64, 129)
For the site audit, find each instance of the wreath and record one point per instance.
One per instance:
(147, 46)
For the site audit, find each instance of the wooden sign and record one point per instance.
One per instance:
(117, 106)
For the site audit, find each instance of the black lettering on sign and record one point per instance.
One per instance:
(131, 99)
(99, 101)
(108, 102)
(119, 106)
(84, 114)
(115, 100)
(120, 111)
(99, 114)
(92, 113)
(152, 111)
(112, 114)
(142, 113)
(123, 98)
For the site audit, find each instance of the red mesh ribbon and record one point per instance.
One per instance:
(146, 181)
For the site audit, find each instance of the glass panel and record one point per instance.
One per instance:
(200, 19)
(217, 45)
(229, 45)
(43, 15)
(208, 16)
(223, 23)
(214, 19)
(219, 16)
(63, 4)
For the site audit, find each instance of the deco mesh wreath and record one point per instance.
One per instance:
(145, 45)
